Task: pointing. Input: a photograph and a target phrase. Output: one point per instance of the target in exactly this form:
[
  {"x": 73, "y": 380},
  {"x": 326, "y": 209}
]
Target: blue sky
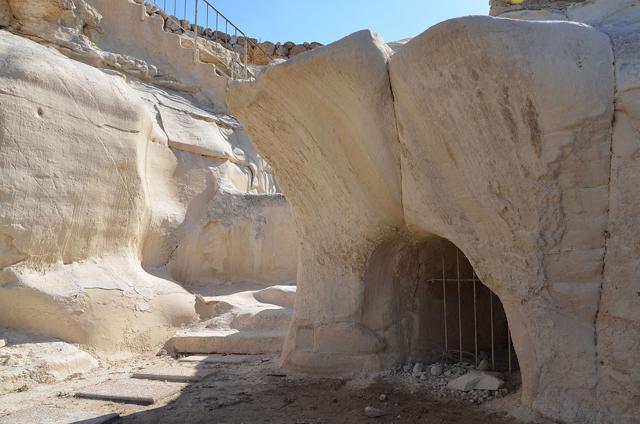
[{"x": 329, "y": 20}]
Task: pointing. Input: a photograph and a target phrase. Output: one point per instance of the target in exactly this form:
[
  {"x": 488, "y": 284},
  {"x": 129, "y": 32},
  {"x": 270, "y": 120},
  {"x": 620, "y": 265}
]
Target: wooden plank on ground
[
  {"x": 140, "y": 392},
  {"x": 220, "y": 359},
  {"x": 174, "y": 374}
]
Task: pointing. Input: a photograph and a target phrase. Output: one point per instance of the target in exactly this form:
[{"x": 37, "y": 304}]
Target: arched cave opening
[
  {"x": 429, "y": 304},
  {"x": 459, "y": 318}
]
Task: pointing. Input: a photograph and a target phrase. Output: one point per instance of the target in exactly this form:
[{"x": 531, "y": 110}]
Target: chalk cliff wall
[{"x": 109, "y": 171}]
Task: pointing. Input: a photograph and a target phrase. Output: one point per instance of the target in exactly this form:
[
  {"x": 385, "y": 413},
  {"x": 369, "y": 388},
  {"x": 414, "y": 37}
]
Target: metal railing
[
  {"x": 203, "y": 12},
  {"x": 448, "y": 346}
]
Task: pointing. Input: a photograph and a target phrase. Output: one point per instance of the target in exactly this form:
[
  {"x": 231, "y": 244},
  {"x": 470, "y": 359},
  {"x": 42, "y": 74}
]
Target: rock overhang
[{"x": 504, "y": 135}]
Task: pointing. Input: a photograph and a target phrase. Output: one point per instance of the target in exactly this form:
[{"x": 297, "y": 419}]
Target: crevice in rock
[
  {"x": 397, "y": 130},
  {"x": 607, "y": 234}
]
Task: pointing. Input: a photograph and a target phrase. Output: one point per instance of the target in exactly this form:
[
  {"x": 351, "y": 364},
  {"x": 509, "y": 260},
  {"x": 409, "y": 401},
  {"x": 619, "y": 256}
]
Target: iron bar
[
  {"x": 437, "y": 280},
  {"x": 243, "y": 59},
  {"x": 223, "y": 17},
  {"x": 475, "y": 318},
  {"x": 459, "y": 303},
  {"x": 196, "y": 54},
  {"x": 493, "y": 358},
  {"x": 444, "y": 302},
  {"x": 509, "y": 345},
  {"x": 246, "y": 58}
]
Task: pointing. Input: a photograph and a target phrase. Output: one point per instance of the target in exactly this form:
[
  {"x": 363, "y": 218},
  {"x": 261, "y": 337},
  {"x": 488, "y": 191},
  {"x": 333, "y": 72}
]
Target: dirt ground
[{"x": 260, "y": 392}]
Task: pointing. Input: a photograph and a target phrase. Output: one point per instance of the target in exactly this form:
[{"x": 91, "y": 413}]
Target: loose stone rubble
[
  {"x": 372, "y": 412},
  {"x": 476, "y": 380},
  {"x": 453, "y": 381}
]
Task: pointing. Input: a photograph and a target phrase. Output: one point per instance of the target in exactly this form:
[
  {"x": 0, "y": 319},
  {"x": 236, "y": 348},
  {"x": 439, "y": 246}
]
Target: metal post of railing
[
  {"x": 459, "y": 303},
  {"x": 509, "y": 345},
  {"x": 444, "y": 304},
  {"x": 195, "y": 37},
  {"x": 475, "y": 319},
  {"x": 246, "y": 58},
  {"x": 493, "y": 350},
  {"x": 242, "y": 56}
]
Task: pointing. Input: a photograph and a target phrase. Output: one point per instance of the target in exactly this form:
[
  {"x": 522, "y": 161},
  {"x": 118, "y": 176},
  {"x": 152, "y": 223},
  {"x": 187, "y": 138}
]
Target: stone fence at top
[
  {"x": 259, "y": 53},
  {"x": 500, "y": 6}
]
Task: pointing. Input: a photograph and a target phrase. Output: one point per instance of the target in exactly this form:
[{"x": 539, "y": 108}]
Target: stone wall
[
  {"x": 259, "y": 53},
  {"x": 501, "y": 6}
]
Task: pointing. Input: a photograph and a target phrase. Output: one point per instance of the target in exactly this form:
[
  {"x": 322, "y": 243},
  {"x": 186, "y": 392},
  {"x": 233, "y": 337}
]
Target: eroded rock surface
[
  {"x": 73, "y": 231},
  {"x": 509, "y": 155},
  {"x": 617, "y": 319},
  {"x": 333, "y": 148},
  {"x": 514, "y": 140},
  {"x": 108, "y": 176},
  {"x": 28, "y": 360},
  {"x": 516, "y": 144}
]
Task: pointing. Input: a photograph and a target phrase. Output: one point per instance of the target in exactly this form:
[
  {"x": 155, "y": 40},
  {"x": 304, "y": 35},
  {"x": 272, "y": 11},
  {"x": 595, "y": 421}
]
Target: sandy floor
[{"x": 260, "y": 392}]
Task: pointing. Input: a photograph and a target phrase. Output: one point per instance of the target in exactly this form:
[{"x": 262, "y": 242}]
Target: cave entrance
[
  {"x": 430, "y": 305},
  {"x": 459, "y": 318}
]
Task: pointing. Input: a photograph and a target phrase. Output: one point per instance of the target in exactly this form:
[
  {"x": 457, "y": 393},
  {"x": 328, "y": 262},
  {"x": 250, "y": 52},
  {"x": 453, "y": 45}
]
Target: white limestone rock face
[
  {"x": 126, "y": 28},
  {"x": 215, "y": 140},
  {"x": 215, "y": 213},
  {"x": 618, "y": 324},
  {"x": 397, "y": 45},
  {"x": 66, "y": 25},
  {"x": 104, "y": 176},
  {"x": 212, "y": 52},
  {"x": 231, "y": 237},
  {"x": 108, "y": 178},
  {"x": 333, "y": 147},
  {"x": 28, "y": 360},
  {"x": 62, "y": 21},
  {"x": 506, "y": 126},
  {"x": 74, "y": 207},
  {"x": 618, "y": 328},
  {"x": 506, "y": 133}
]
